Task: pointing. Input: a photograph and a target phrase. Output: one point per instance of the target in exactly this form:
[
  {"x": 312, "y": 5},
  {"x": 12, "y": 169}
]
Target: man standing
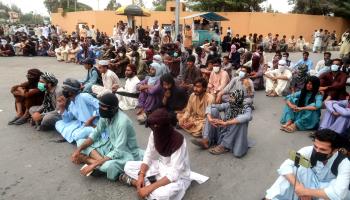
[
  {"x": 109, "y": 79},
  {"x": 328, "y": 177},
  {"x": 78, "y": 110},
  {"x": 317, "y": 41},
  {"x": 192, "y": 118},
  {"x": 108, "y": 154}
]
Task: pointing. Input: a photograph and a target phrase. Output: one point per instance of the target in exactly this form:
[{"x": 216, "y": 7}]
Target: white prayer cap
[
  {"x": 157, "y": 58},
  {"x": 103, "y": 62},
  {"x": 282, "y": 62}
]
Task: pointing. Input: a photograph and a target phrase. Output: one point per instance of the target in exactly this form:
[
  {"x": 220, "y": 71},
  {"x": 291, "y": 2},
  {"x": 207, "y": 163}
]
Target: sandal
[
  {"x": 125, "y": 179},
  {"x": 199, "y": 142},
  {"x": 290, "y": 129},
  {"x": 218, "y": 150}
]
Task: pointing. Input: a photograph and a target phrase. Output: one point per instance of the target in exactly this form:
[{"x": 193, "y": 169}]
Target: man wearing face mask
[
  {"x": 327, "y": 178},
  {"x": 218, "y": 78},
  {"x": 79, "y": 112},
  {"x": 45, "y": 116},
  {"x": 241, "y": 82},
  {"x": 108, "y": 154},
  {"x": 323, "y": 65},
  {"x": 333, "y": 83},
  {"x": 165, "y": 171},
  {"x": 26, "y": 95},
  {"x": 277, "y": 80}
]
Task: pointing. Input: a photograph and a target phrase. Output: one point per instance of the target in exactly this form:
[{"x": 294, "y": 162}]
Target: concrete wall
[{"x": 240, "y": 22}]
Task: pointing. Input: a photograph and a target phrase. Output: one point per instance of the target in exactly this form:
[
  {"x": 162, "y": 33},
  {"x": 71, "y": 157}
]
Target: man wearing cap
[
  {"x": 109, "y": 79},
  {"x": 79, "y": 112},
  {"x": 45, "y": 116},
  {"x": 62, "y": 51},
  {"x": 277, "y": 80},
  {"x": 92, "y": 77},
  {"x": 108, "y": 154},
  {"x": 158, "y": 59}
]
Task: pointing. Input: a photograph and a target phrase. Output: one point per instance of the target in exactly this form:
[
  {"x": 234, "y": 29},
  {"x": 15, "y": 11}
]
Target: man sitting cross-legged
[
  {"x": 165, "y": 171},
  {"x": 109, "y": 153},
  {"x": 192, "y": 118}
]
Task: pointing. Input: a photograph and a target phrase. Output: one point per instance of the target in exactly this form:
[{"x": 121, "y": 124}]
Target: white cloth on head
[
  {"x": 109, "y": 79},
  {"x": 280, "y": 85},
  {"x": 103, "y": 62}
]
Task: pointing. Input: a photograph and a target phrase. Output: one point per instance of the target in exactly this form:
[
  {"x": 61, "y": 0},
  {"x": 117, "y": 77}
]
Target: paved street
[{"x": 33, "y": 166}]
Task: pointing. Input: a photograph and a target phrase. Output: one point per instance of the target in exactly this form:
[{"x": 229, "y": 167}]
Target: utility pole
[
  {"x": 75, "y": 5},
  {"x": 177, "y": 17}
]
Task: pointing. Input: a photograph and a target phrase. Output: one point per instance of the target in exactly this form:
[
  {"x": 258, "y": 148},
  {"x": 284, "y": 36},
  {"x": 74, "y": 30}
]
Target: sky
[{"x": 38, "y": 7}]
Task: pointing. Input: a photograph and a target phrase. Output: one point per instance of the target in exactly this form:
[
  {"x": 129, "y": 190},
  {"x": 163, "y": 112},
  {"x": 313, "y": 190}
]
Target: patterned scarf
[
  {"x": 236, "y": 104},
  {"x": 49, "y": 102},
  {"x": 302, "y": 74}
]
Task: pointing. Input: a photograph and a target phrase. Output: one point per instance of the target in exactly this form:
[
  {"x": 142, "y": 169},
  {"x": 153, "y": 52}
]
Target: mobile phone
[
  {"x": 295, "y": 156},
  {"x": 152, "y": 179}
]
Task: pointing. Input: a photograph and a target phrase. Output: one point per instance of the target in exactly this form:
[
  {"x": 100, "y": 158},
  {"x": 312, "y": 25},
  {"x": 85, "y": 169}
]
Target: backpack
[
  {"x": 99, "y": 78},
  {"x": 335, "y": 165}
]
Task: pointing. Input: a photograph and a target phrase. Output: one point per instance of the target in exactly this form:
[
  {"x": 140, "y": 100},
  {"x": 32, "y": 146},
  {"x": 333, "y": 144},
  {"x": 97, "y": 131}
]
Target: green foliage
[
  {"x": 67, "y": 5},
  {"x": 112, "y": 5},
  {"x": 30, "y": 18},
  {"x": 225, "y": 5},
  {"x": 159, "y": 5},
  {"x": 340, "y": 8}
]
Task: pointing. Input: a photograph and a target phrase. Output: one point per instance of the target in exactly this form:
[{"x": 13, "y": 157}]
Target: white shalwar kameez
[
  {"x": 175, "y": 167},
  {"x": 318, "y": 177},
  {"x": 109, "y": 79},
  {"x": 280, "y": 85},
  {"x": 128, "y": 103}
]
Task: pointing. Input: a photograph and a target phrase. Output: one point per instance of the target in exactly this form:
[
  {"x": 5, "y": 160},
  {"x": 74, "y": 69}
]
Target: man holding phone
[{"x": 327, "y": 178}]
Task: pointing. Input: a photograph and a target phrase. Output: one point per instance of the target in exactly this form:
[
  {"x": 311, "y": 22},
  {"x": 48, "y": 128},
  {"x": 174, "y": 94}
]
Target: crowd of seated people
[{"x": 206, "y": 94}]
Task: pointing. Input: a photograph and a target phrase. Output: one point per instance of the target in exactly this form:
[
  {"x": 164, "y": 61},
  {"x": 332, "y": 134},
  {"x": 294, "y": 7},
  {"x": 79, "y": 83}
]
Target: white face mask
[
  {"x": 334, "y": 68},
  {"x": 284, "y": 58},
  {"x": 211, "y": 52},
  {"x": 241, "y": 74},
  {"x": 216, "y": 69},
  {"x": 281, "y": 68},
  {"x": 120, "y": 54}
]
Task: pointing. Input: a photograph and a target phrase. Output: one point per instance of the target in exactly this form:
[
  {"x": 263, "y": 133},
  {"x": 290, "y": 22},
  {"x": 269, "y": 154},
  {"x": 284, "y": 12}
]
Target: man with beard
[
  {"x": 108, "y": 154},
  {"x": 327, "y": 178},
  {"x": 192, "y": 118},
  {"x": 79, "y": 112},
  {"x": 125, "y": 102},
  {"x": 165, "y": 171},
  {"x": 323, "y": 65},
  {"x": 173, "y": 98},
  {"x": 26, "y": 95}
]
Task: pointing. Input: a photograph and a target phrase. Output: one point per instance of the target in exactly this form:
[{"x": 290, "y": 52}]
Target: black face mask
[
  {"x": 109, "y": 114},
  {"x": 65, "y": 93},
  {"x": 320, "y": 156}
]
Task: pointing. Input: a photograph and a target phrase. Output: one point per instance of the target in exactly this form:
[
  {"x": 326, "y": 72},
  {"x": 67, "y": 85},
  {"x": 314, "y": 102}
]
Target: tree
[
  {"x": 67, "y": 5},
  {"x": 113, "y": 5},
  {"x": 31, "y": 18},
  {"x": 159, "y": 5},
  {"x": 339, "y": 8},
  {"x": 225, "y": 5}
]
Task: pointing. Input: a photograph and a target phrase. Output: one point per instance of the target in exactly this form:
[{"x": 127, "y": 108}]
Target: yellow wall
[{"x": 240, "y": 22}]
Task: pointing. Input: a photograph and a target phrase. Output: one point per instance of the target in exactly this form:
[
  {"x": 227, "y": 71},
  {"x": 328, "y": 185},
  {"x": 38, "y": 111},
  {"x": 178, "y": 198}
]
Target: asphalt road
[{"x": 33, "y": 166}]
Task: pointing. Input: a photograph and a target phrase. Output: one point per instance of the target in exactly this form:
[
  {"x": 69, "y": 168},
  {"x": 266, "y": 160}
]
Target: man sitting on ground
[
  {"x": 92, "y": 77},
  {"x": 109, "y": 79},
  {"x": 190, "y": 74},
  {"x": 218, "y": 78},
  {"x": 328, "y": 177},
  {"x": 192, "y": 118},
  {"x": 165, "y": 171},
  {"x": 45, "y": 116},
  {"x": 277, "y": 81},
  {"x": 333, "y": 83},
  {"x": 108, "y": 154},
  {"x": 125, "y": 102},
  {"x": 79, "y": 112}
]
